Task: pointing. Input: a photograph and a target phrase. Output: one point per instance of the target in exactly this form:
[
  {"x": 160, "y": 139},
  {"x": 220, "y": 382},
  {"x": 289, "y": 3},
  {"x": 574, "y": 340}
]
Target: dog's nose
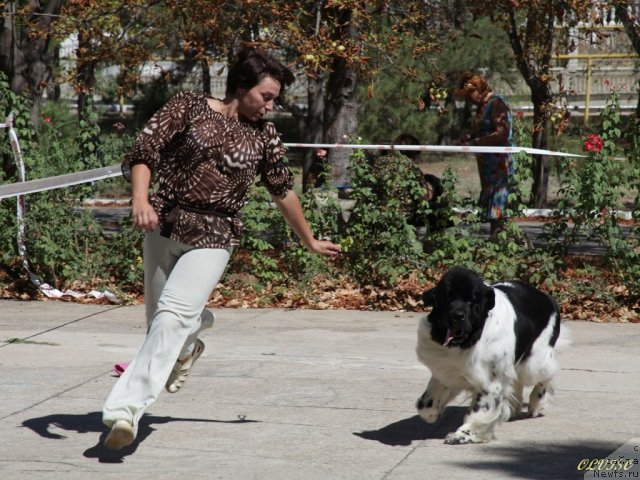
[{"x": 458, "y": 316}]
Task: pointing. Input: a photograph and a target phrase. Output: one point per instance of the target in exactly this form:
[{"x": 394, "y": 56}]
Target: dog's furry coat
[{"x": 489, "y": 340}]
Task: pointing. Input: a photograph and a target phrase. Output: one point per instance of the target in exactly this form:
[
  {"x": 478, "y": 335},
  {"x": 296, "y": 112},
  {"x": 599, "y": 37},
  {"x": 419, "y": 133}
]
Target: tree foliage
[
  {"x": 337, "y": 46},
  {"x": 345, "y": 40},
  {"x": 26, "y": 46}
]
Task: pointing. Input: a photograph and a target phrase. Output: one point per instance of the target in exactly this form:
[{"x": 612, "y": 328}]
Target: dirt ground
[{"x": 466, "y": 170}]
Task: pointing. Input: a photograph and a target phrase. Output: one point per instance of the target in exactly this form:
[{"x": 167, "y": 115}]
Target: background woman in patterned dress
[
  {"x": 203, "y": 154},
  {"x": 493, "y": 127}
]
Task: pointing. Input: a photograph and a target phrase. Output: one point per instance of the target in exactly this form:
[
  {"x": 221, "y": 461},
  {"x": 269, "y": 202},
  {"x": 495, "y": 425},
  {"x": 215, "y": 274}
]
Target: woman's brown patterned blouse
[{"x": 204, "y": 164}]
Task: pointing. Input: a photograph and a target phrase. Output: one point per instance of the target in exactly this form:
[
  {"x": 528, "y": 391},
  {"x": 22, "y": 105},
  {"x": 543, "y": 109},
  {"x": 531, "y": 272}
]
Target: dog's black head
[{"x": 461, "y": 302}]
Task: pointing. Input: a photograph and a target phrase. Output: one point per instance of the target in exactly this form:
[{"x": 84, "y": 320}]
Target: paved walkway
[{"x": 291, "y": 394}]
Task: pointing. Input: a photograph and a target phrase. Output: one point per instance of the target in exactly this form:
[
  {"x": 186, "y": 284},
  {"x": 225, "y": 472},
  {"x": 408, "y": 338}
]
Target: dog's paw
[
  {"x": 538, "y": 400},
  {"x": 426, "y": 410},
  {"x": 462, "y": 437},
  {"x": 429, "y": 415},
  {"x": 535, "y": 412}
]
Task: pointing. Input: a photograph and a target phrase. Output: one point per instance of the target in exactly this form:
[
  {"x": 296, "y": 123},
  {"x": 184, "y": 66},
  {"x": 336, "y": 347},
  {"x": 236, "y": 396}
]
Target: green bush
[
  {"x": 263, "y": 238},
  {"x": 64, "y": 243}
]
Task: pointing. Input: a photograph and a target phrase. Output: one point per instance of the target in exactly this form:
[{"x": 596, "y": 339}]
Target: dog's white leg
[
  {"x": 434, "y": 400},
  {"x": 489, "y": 407},
  {"x": 539, "y": 398}
]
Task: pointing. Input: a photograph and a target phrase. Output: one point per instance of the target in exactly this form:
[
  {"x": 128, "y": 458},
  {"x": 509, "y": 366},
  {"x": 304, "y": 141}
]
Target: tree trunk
[
  {"x": 85, "y": 76},
  {"x": 533, "y": 59},
  {"x": 24, "y": 57},
  {"x": 540, "y": 96},
  {"x": 630, "y": 25},
  {"x": 85, "y": 83},
  {"x": 206, "y": 76},
  {"x": 313, "y": 123},
  {"x": 341, "y": 112},
  {"x": 341, "y": 119},
  {"x": 540, "y": 187}
]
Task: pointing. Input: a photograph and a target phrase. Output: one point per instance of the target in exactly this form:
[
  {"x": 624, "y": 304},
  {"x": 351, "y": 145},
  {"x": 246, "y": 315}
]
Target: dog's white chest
[{"x": 471, "y": 367}]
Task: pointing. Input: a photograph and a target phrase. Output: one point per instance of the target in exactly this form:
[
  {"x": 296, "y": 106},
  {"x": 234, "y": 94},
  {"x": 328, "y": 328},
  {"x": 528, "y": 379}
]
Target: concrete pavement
[{"x": 291, "y": 394}]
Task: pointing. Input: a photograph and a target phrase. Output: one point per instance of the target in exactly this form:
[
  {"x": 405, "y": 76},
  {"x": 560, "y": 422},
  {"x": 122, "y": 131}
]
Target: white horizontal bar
[
  {"x": 60, "y": 181},
  {"x": 70, "y": 179},
  {"x": 436, "y": 148}
]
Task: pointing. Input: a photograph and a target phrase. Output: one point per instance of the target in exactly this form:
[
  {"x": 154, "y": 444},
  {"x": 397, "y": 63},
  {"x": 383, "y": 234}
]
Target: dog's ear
[
  {"x": 429, "y": 297},
  {"x": 490, "y": 298}
]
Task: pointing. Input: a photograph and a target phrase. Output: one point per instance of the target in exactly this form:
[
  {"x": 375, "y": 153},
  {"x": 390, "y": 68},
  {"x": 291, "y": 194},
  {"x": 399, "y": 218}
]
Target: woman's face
[
  {"x": 259, "y": 100},
  {"x": 475, "y": 97}
]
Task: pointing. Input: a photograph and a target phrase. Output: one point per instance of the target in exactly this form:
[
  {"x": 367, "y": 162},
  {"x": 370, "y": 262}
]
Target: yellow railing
[{"x": 589, "y": 57}]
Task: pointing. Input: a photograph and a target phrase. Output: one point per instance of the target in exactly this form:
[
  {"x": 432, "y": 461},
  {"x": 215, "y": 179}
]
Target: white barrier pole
[
  {"x": 70, "y": 179},
  {"x": 20, "y": 206}
]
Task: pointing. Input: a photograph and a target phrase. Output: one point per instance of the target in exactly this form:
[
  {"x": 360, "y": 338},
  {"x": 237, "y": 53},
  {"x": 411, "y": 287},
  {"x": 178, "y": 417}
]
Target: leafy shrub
[
  {"x": 324, "y": 216},
  {"x": 64, "y": 242},
  {"x": 264, "y": 234},
  {"x": 385, "y": 245},
  {"x": 592, "y": 195}
]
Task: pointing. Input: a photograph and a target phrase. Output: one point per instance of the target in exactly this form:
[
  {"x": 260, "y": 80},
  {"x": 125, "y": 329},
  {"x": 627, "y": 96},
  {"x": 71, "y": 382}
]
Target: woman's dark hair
[{"x": 251, "y": 66}]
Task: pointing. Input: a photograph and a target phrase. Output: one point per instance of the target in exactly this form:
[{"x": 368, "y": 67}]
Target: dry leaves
[{"x": 589, "y": 294}]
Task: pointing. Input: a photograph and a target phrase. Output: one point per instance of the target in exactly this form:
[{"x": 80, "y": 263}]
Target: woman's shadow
[{"x": 92, "y": 422}]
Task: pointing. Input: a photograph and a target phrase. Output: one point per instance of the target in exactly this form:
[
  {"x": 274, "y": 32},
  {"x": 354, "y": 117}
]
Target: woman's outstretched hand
[{"x": 324, "y": 247}]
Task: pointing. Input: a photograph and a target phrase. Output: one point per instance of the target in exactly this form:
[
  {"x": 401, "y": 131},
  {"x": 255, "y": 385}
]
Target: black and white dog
[{"x": 491, "y": 341}]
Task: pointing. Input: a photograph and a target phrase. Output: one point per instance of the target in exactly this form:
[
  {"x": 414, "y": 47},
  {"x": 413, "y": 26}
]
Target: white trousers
[{"x": 178, "y": 280}]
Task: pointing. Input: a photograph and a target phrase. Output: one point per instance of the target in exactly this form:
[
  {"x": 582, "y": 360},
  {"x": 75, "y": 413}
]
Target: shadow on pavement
[
  {"x": 412, "y": 429},
  {"x": 524, "y": 460},
  {"x": 542, "y": 461},
  {"x": 92, "y": 422}
]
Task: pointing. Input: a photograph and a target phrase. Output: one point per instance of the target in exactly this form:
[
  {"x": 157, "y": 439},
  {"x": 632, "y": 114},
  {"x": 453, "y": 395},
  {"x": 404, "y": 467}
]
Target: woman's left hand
[
  {"x": 326, "y": 248},
  {"x": 290, "y": 207}
]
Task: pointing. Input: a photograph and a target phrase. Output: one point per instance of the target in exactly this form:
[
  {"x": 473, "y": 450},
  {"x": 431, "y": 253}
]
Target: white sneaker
[
  {"x": 181, "y": 370},
  {"x": 122, "y": 434}
]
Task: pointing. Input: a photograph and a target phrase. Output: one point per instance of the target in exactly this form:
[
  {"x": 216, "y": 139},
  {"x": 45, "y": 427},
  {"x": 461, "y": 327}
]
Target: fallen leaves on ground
[{"x": 584, "y": 291}]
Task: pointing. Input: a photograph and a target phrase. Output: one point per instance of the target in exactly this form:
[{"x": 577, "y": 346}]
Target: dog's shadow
[
  {"x": 92, "y": 422},
  {"x": 411, "y": 429}
]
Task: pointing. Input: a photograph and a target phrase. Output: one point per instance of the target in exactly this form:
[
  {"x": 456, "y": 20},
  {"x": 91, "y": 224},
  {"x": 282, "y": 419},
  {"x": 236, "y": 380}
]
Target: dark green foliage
[
  {"x": 385, "y": 245},
  {"x": 264, "y": 233},
  {"x": 388, "y": 101},
  {"x": 64, "y": 243}
]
